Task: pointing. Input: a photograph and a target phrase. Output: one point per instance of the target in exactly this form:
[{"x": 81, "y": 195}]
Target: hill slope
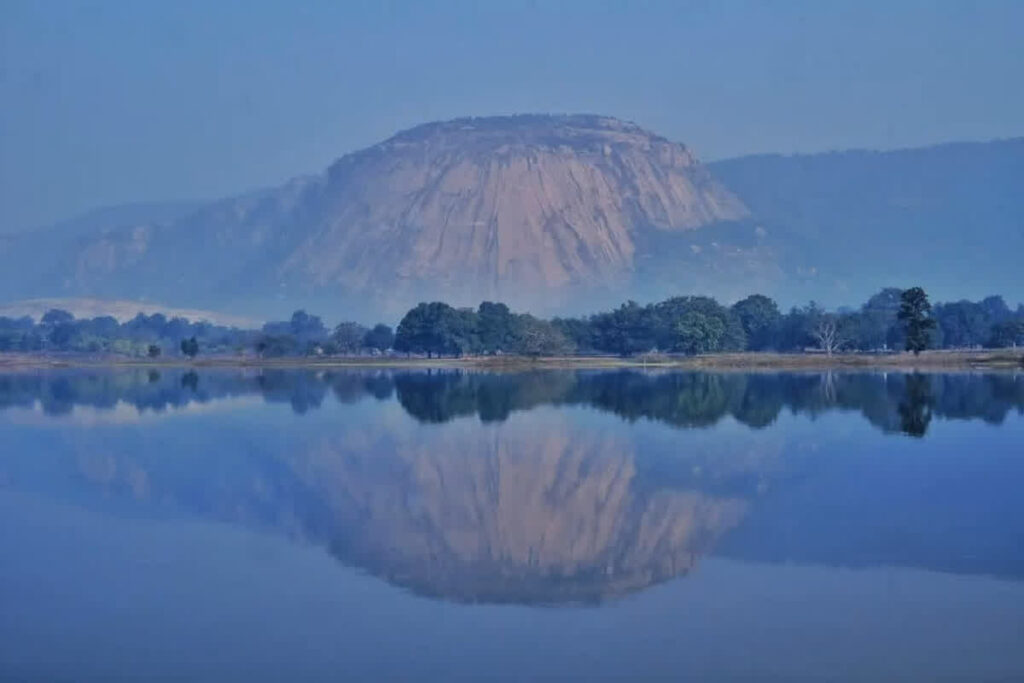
[
  {"x": 950, "y": 217},
  {"x": 553, "y": 214},
  {"x": 540, "y": 211}
]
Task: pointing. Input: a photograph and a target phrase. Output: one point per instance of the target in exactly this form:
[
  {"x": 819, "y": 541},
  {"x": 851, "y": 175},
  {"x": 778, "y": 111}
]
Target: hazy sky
[{"x": 108, "y": 102}]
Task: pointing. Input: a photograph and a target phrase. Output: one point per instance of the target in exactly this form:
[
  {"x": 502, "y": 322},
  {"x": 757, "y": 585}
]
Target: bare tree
[
  {"x": 541, "y": 338},
  {"x": 827, "y": 333}
]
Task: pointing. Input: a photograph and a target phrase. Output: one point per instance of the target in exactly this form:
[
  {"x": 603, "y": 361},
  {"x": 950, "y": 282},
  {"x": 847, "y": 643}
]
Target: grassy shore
[{"x": 928, "y": 360}]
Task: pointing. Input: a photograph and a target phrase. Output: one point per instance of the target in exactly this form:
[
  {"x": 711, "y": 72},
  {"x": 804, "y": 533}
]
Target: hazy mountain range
[{"x": 552, "y": 214}]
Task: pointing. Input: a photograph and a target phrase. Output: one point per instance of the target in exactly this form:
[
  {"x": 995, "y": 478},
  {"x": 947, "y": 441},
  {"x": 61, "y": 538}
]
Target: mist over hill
[
  {"x": 552, "y": 214},
  {"x": 949, "y": 217}
]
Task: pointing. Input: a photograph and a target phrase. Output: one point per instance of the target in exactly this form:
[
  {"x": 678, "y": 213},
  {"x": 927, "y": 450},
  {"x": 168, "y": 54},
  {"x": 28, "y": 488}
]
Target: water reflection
[
  {"x": 543, "y": 506},
  {"x": 915, "y": 408},
  {"x": 893, "y": 402},
  {"x": 544, "y": 516}
]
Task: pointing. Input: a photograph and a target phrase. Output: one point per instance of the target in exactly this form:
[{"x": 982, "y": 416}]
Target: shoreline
[{"x": 999, "y": 359}]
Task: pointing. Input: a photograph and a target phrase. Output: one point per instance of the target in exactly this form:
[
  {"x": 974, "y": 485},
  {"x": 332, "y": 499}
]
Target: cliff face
[
  {"x": 551, "y": 214},
  {"x": 539, "y": 211},
  {"x": 504, "y": 205}
]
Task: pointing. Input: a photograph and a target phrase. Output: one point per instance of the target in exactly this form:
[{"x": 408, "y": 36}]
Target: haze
[{"x": 103, "y": 103}]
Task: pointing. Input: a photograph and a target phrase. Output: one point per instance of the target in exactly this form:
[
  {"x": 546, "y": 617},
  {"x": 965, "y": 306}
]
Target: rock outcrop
[
  {"x": 543, "y": 212},
  {"x": 502, "y": 206}
]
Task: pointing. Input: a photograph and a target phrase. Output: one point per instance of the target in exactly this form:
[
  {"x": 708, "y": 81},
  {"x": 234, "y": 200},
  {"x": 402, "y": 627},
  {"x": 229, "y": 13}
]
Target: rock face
[
  {"x": 552, "y": 214},
  {"x": 504, "y": 205},
  {"x": 539, "y": 211}
]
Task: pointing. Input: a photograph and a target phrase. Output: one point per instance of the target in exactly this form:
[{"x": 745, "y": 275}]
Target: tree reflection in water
[
  {"x": 893, "y": 402},
  {"x": 507, "y": 507}
]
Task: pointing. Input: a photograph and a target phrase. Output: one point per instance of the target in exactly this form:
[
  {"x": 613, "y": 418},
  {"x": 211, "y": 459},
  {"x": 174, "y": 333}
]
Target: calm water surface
[{"x": 282, "y": 525}]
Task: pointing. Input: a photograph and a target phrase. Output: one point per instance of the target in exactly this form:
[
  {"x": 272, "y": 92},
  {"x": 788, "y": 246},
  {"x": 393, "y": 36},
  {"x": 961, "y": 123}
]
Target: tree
[
  {"x": 759, "y": 316},
  {"x": 275, "y": 346},
  {"x": 629, "y": 329},
  {"x": 437, "y": 328},
  {"x": 728, "y": 331},
  {"x": 962, "y": 324},
  {"x": 1007, "y": 334},
  {"x": 307, "y": 327},
  {"x": 878, "y": 325},
  {"x": 827, "y": 333},
  {"x": 495, "y": 325},
  {"x": 579, "y": 331},
  {"x": 56, "y": 316},
  {"x": 348, "y": 337},
  {"x": 539, "y": 338},
  {"x": 995, "y": 309},
  {"x": 381, "y": 338},
  {"x": 699, "y": 333},
  {"x": 153, "y": 351},
  {"x": 190, "y": 347},
  {"x": 915, "y": 314},
  {"x": 61, "y": 334}
]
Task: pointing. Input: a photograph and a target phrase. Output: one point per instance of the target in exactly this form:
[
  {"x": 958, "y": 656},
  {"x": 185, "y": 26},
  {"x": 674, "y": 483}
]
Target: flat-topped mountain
[
  {"x": 503, "y": 205},
  {"x": 551, "y": 214},
  {"x": 535, "y": 210}
]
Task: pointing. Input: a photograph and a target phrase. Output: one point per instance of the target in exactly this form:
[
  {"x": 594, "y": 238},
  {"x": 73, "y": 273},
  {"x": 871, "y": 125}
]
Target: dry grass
[{"x": 929, "y": 360}]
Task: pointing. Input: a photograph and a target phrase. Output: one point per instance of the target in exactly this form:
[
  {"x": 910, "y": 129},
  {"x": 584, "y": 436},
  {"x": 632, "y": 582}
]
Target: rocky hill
[
  {"x": 540, "y": 211},
  {"x": 552, "y": 214}
]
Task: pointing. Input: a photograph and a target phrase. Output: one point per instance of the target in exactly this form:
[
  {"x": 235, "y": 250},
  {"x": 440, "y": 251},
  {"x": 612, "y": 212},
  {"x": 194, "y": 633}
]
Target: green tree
[
  {"x": 276, "y": 345},
  {"x": 153, "y": 351},
  {"x": 495, "y": 327},
  {"x": 437, "y": 328},
  {"x": 62, "y": 334},
  {"x": 348, "y": 337},
  {"x": 669, "y": 313},
  {"x": 1006, "y": 334},
  {"x": 915, "y": 314},
  {"x": 381, "y": 338},
  {"x": 759, "y": 316},
  {"x": 579, "y": 331},
  {"x": 535, "y": 338},
  {"x": 878, "y": 323},
  {"x": 56, "y": 316},
  {"x": 190, "y": 347},
  {"x": 307, "y": 327},
  {"x": 698, "y": 332},
  {"x": 629, "y": 329}
]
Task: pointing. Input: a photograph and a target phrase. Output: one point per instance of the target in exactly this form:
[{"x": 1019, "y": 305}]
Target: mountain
[
  {"x": 553, "y": 214},
  {"x": 949, "y": 217},
  {"x": 541, "y": 211}
]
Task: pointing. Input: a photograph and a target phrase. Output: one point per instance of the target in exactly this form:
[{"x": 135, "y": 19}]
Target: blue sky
[{"x": 108, "y": 102}]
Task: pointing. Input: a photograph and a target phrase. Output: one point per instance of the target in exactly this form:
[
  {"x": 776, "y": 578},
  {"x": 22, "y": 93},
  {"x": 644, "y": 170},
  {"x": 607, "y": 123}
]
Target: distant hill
[
  {"x": 552, "y": 214},
  {"x": 546, "y": 212},
  {"x": 950, "y": 217},
  {"x": 121, "y": 310}
]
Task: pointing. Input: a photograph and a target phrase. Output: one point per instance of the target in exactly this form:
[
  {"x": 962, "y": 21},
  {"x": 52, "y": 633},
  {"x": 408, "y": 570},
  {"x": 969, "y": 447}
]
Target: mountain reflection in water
[{"x": 530, "y": 507}]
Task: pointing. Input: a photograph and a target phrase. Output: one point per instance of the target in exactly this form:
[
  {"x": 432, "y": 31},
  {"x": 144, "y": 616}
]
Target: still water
[{"x": 372, "y": 525}]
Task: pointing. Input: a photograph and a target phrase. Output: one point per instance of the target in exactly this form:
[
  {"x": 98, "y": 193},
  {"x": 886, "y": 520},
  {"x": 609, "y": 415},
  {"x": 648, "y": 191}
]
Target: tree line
[
  {"x": 891, "y": 320},
  {"x": 156, "y": 335}
]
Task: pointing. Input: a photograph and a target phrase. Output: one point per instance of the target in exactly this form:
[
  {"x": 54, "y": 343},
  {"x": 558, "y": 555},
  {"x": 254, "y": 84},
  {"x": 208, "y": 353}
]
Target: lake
[{"x": 550, "y": 525}]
